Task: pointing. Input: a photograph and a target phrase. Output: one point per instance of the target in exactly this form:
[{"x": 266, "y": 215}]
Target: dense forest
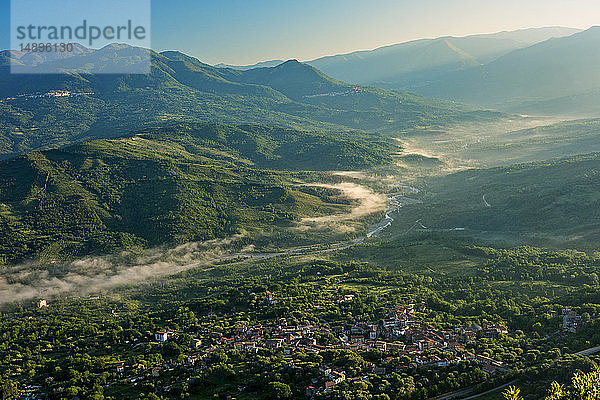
[
  {"x": 205, "y": 232},
  {"x": 276, "y": 329},
  {"x": 170, "y": 185}
]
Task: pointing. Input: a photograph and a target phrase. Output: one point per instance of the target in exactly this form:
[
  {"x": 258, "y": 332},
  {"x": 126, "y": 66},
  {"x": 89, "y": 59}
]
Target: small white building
[{"x": 161, "y": 336}]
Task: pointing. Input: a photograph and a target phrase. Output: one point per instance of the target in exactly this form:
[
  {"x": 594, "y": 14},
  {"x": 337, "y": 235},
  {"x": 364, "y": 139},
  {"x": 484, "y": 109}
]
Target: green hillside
[
  {"x": 553, "y": 202},
  {"x": 183, "y": 89},
  {"x": 165, "y": 186},
  {"x": 278, "y": 148}
]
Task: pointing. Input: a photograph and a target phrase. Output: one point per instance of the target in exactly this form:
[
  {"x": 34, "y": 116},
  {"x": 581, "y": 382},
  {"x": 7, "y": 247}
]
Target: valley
[
  {"x": 401, "y": 219},
  {"x": 271, "y": 232},
  {"x": 397, "y": 222}
]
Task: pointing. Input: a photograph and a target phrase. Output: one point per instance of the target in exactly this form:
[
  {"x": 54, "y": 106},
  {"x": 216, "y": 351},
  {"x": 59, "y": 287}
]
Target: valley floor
[{"x": 413, "y": 297}]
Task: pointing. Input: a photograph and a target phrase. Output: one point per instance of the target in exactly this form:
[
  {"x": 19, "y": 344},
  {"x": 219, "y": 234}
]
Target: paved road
[
  {"x": 588, "y": 352},
  {"x": 491, "y": 390},
  {"x": 460, "y": 393},
  {"x": 453, "y": 395}
]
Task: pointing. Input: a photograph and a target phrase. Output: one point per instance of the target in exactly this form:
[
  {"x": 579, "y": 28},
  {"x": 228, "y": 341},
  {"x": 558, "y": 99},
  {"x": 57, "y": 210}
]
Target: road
[
  {"x": 491, "y": 390},
  {"x": 463, "y": 392},
  {"x": 453, "y": 395},
  {"x": 485, "y": 202},
  {"x": 456, "y": 395},
  {"x": 589, "y": 351}
]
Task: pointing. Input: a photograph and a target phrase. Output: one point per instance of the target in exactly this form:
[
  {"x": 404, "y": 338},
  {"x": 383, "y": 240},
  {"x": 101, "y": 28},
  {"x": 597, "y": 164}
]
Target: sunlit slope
[
  {"x": 554, "y": 202},
  {"x": 160, "y": 187},
  {"x": 183, "y": 89}
]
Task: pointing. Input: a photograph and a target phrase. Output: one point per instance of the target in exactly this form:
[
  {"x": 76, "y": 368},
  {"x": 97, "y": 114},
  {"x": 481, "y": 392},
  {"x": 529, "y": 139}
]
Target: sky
[{"x": 247, "y": 31}]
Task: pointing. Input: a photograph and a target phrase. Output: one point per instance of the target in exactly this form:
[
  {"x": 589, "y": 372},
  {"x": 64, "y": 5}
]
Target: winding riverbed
[{"x": 395, "y": 202}]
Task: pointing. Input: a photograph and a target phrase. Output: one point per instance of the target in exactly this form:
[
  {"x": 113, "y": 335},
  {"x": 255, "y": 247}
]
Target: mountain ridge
[
  {"x": 182, "y": 88},
  {"x": 396, "y": 66},
  {"x": 260, "y": 64},
  {"x": 541, "y": 72}
]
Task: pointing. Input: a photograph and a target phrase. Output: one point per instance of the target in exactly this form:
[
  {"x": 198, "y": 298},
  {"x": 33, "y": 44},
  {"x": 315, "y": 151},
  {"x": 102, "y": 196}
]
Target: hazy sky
[{"x": 246, "y": 31}]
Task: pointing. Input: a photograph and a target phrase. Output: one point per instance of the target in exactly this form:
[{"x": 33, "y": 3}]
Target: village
[
  {"x": 403, "y": 338},
  {"x": 400, "y": 333},
  {"x": 50, "y": 94},
  {"x": 571, "y": 320},
  {"x": 353, "y": 91}
]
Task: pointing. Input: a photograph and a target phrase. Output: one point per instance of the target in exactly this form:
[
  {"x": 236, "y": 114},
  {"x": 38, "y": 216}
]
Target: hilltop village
[{"x": 402, "y": 333}]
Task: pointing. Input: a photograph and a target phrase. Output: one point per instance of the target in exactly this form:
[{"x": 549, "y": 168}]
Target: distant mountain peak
[
  {"x": 262, "y": 64},
  {"x": 558, "y": 70},
  {"x": 294, "y": 79},
  {"x": 295, "y": 64},
  {"x": 409, "y": 64},
  {"x": 116, "y": 46}
]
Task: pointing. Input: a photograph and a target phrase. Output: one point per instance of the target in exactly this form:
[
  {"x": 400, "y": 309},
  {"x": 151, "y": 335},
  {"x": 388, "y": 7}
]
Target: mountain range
[
  {"x": 560, "y": 73},
  {"x": 85, "y": 151},
  {"x": 91, "y": 104},
  {"x": 408, "y": 64},
  {"x": 538, "y": 71},
  {"x": 189, "y": 125},
  {"x": 274, "y": 232}
]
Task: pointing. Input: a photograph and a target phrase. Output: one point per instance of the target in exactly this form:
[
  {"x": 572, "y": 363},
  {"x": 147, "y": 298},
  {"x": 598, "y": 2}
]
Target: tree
[
  {"x": 512, "y": 393},
  {"x": 584, "y": 387},
  {"x": 219, "y": 357},
  {"x": 279, "y": 390},
  {"x": 8, "y": 389},
  {"x": 149, "y": 396},
  {"x": 556, "y": 392}
]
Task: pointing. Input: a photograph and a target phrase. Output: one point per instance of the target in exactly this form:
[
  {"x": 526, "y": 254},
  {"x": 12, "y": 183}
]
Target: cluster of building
[
  {"x": 52, "y": 93},
  {"x": 352, "y": 91},
  {"x": 406, "y": 343},
  {"x": 400, "y": 332},
  {"x": 571, "y": 320}
]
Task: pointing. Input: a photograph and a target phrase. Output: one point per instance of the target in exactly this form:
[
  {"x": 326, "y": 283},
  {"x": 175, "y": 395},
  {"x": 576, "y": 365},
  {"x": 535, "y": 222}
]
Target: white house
[{"x": 161, "y": 336}]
